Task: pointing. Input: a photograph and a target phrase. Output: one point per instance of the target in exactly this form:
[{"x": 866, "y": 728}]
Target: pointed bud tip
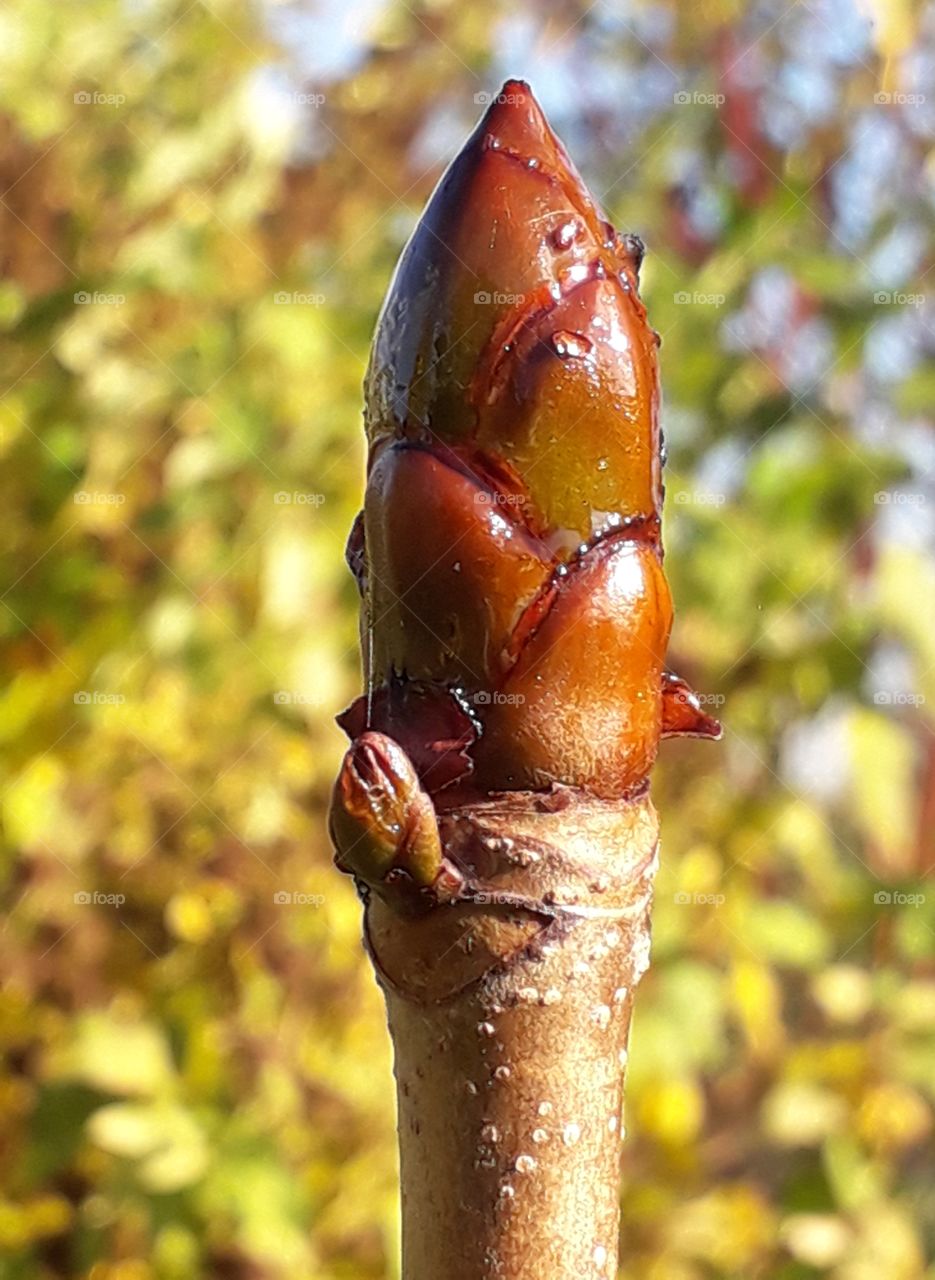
[{"x": 515, "y": 122}]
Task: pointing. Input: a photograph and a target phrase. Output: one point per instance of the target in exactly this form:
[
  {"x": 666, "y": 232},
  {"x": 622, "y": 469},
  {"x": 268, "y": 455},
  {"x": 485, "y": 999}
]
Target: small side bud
[
  {"x": 382, "y": 822},
  {"x": 682, "y": 712}
]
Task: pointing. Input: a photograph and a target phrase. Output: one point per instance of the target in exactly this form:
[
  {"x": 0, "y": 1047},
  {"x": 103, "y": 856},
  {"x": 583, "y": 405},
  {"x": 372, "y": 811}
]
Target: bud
[
  {"x": 381, "y": 819},
  {"x": 510, "y": 540}
]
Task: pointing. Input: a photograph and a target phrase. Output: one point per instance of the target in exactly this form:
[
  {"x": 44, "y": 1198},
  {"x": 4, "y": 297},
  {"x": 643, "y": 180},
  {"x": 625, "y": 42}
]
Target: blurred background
[{"x": 201, "y": 203}]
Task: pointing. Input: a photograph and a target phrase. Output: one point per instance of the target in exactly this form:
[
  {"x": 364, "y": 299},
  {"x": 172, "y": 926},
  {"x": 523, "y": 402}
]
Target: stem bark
[{"x": 510, "y": 1015}]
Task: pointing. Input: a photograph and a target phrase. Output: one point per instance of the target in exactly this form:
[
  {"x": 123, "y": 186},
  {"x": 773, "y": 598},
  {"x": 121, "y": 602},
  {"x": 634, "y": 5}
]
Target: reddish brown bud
[
  {"x": 381, "y": 820},
  {"x": 516, "y": 611}
]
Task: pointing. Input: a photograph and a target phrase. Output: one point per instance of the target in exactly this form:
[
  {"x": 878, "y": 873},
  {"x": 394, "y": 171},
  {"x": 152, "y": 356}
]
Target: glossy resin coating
[
  {"x": 515, "y": 613},
  {"x": 513, "y": 328}
]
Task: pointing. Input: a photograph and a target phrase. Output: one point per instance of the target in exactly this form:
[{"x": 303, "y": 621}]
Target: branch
[{"x": 493, "y": 804}]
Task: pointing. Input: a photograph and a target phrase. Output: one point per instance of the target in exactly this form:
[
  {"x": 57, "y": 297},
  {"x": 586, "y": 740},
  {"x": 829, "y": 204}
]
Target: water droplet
[
  {"x": 570, "y": 1134},
  {"x": 525, "y": 1164},
  {"x": 501, "y": 1073},
  {"x": 490, "y": 1133},
  {"x": 470, "y": 1086},
  {"x": 602, "y": 464},
  {"x": 612, "y": 1124},
  {"x": 485, "y": 1029},
  {"x": 565, "y": 235},
  {"x": 599, "y": 1255},
  {"x": 622, "y": 1057},
  {"x": 540, "y": 1135},
  {"x": 620, "y": 995},
  {"x": 532, "y": 163},
  {"x": 507, "y": 1192},
  {"x": 545, "y": 1108},
  {"x": 570, "y": 345},
  {"x": 456, "y": 567}
]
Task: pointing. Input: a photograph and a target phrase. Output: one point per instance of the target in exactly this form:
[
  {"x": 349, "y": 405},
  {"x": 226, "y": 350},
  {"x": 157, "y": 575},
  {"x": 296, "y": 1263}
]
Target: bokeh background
[{"x": 201, "y": 203}]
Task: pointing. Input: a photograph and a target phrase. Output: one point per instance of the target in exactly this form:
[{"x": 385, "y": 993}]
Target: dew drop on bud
[
  {"x": 563, "y": 237},
  {"x": 570, "y": 345}
]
